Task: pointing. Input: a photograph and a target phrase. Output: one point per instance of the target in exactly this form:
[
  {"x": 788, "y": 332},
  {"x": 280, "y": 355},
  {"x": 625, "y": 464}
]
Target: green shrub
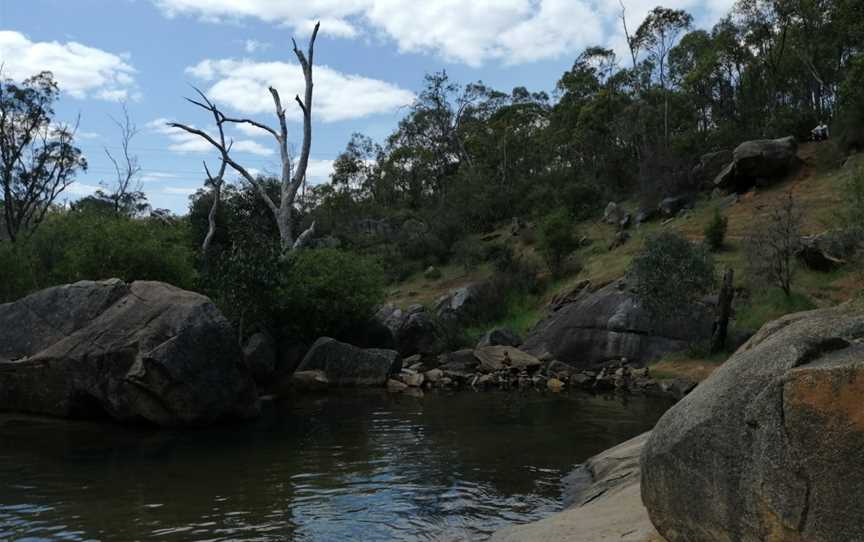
[
  {"x": 670, "y": 273},
  {"x": 328, "y": 292},
  {"x": 16, "y": 275},
  {"x": 556, "y": 240},
  {"x": 715, "y": 231},
  {"x": 73, "y": 246},
  {"x": 83, "y": 246},
  {"x": 468, "y": 253}
]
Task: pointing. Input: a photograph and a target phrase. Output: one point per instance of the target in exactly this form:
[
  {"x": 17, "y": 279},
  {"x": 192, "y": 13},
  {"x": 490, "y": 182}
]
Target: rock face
[
  {"x": 259, "y": 352},
  {"x": 460, "y": 303},
  {"x": 611, "y": 325},
  {"x": 756, "y": 163},
  {"x": 769, "y": 447},
  {"x": 709, "y": 166},
  {"x": 413, "y": 330},
  {"x": 140, "y": 352},
  {"x": 344, "y": 365}
]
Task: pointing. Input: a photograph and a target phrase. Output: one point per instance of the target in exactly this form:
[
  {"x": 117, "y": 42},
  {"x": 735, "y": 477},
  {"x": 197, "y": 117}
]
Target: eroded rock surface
[
  {"x": 140, "y": 352},
  {"x": 769, "y": 448},
  {"x": 610, "y": 324}
]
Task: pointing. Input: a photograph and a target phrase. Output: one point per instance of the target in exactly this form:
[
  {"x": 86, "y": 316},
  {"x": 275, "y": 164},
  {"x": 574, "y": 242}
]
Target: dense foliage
[{"x": 671, "y": 273}]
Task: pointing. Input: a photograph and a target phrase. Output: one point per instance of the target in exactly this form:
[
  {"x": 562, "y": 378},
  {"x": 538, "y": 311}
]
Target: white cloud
[
  {"x": 183, "y": 142},
  {"x": 179, "y": 191},
  {"x": 319, "y": 171},
  {"x": 509, "y": 31},
  {"x": 158, "y": 177},
  {"x": 80, "y": 71},
  {"x": 81, "y": 189},
  {"x": 253, "y": 46},
  {"x": 242, "y": 84}
]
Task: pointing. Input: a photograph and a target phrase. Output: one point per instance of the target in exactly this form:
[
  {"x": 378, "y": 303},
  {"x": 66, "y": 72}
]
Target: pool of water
[{"x": 354, "y": 466}]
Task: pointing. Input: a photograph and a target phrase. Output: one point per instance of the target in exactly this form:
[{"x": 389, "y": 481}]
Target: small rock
[
  {"x": 554, "y": 385},
  {"x": 310, "y": 380},
  {"x": 395, "y": 386},
  {"x": 434, "y": 375},
  {"x": 414, "y": 380}
]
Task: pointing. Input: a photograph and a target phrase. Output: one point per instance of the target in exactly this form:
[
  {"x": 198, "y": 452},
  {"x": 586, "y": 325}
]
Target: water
[{"x": 363, "y": 466}]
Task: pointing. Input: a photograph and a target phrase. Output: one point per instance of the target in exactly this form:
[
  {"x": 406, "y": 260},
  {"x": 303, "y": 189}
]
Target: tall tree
[
  {"x": 658, "y": 34},
  {"x": 38, "y": 159}
]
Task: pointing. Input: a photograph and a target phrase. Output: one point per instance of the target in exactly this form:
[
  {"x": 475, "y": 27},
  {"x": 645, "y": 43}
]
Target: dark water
[{"x": 349, "y": 467}]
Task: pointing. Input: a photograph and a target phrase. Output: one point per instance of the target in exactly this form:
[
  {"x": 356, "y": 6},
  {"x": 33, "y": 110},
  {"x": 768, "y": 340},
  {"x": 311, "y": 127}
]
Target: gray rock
[
  {"x": 259, "y": 353},
  {"x": 757, "y": 163},
  {"x": 413, "y": 330},
  {"x": 500, "y": 337},
  {"x": 768, "y": 447},
  {"x": 710, "y": 165},
  {"x": 672, "y": 206},
  {"x": 614, "y": 214},
  {"x": 461, "y": 361},
  {"x": 610, "y": 324},
  {"x": 645, "y": 214},
  {"x": 496, "y": 358},
  {"x": 459, "y": 304},
  {"x": 310, "y": 381},
  {"x": 345, "y": 365},
  {"x": 140, "y": 352}
]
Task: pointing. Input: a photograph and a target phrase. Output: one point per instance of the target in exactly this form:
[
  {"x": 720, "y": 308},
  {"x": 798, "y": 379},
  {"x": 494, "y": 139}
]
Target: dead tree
[
  {"x": 126, "y": 196},
  {"x": 724, "y": 311},
  {"x": 216, "y": 183},
  {"x": 289, "y": 183}
]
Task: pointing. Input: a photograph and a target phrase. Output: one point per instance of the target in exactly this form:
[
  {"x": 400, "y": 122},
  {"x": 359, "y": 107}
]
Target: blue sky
[{"x": 370, "y": 58}]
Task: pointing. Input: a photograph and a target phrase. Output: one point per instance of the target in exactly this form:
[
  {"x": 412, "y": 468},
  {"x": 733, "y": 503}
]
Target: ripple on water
[{"x": 351, "y": 467}]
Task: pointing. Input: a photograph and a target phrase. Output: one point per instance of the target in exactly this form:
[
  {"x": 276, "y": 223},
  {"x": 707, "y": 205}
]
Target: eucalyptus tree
[{"x": 38, "y": 158}]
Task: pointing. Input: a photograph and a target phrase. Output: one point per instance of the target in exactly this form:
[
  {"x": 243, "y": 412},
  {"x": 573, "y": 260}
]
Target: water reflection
[{"x": 338, "y": 467}]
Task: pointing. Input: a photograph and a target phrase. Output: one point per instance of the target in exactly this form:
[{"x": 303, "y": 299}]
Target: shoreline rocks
[
  {"x": 769, "y": 447},
  {"x": 144, "y": 352},
  {"x": 610, "y": 324}
]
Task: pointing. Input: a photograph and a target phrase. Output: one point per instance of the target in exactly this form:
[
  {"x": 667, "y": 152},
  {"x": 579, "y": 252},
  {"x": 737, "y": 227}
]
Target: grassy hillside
[{"x": 817, "y": 187}]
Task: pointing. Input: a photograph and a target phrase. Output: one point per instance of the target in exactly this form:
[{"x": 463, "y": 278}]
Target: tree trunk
[{"x": 724, "y": 311}]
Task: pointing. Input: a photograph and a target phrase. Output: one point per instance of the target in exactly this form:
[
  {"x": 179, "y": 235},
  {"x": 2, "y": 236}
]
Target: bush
[
  {"x": 326, "y": 292},
  {"x": 468, "y": 253},
  {"x": 556, "y": 240},
  {"x": 671, "y": 273},
  {"x": 715, "y": 231},
  {"x": 73, "y": 246}
]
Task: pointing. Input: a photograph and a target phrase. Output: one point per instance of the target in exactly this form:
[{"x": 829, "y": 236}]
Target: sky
[{"x": 370, "y": 59}]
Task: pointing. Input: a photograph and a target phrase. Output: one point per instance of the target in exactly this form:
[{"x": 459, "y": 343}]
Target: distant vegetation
[{"x": 462, "y": 163}]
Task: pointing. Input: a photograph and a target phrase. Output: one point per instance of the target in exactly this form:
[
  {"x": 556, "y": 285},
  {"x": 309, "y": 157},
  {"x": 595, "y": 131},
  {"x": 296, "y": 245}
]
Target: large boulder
[
  {"x": 344, "y": 365},
  {"x": 259, "y": 352},
  {"x": 140, "y": 352},
  {"x": 757, "y": 163},
  {"x": 610, "y": 324},
  {"x": 710, "y": 165},
  {"x": 460, "y": 304},
  {"x": 769, "y": 447},
  {"x": 413, "y": 330}
]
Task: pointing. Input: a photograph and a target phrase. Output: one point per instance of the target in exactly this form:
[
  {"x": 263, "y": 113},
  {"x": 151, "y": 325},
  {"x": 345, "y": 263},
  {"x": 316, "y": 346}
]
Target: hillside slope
[{"x": 817, "y": 187}]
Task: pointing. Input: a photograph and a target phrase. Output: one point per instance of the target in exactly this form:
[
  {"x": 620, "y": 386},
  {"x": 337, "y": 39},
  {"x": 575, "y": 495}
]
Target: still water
[{"x": 322, "y": 468}]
